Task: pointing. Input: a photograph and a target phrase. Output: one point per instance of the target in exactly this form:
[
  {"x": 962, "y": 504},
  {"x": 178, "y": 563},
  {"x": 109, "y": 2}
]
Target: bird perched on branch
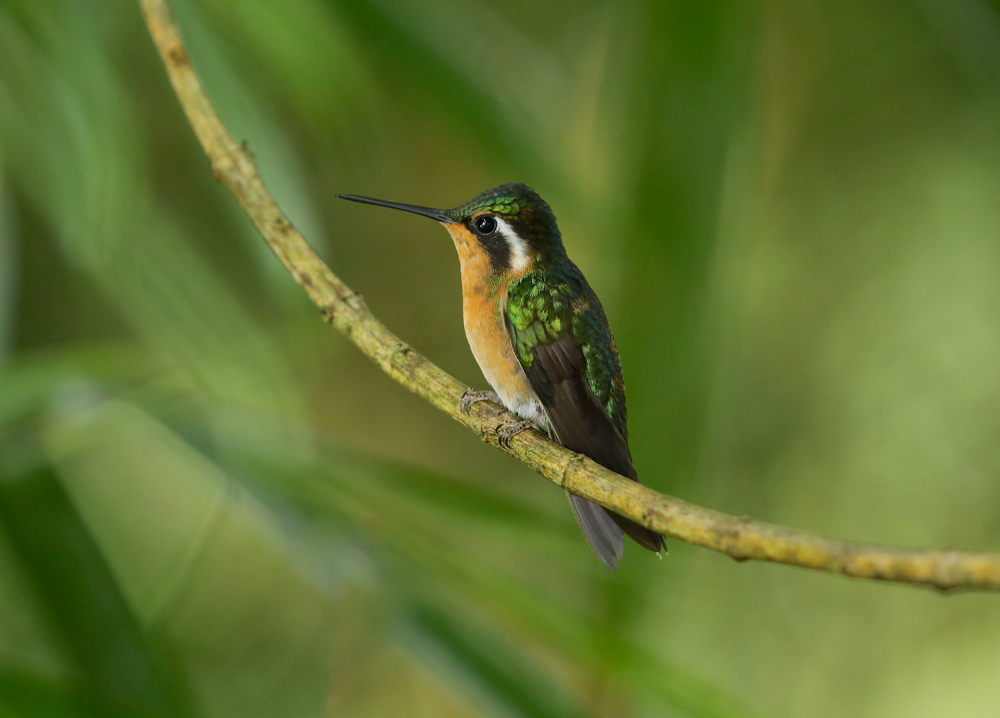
[{"x": 542, "y": 341}]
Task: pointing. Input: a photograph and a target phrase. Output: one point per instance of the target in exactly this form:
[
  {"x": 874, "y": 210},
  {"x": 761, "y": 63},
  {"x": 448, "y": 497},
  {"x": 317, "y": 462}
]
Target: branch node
[
  {"x": 356, "y": 301},
  {"x": 245, "y": 148},
  {"x": 574, "y": 462},
  {"x": 178, "y": 57}
]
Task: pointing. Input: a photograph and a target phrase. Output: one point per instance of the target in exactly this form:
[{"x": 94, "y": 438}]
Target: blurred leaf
[
  {"x": 125, "y": 674},
  {"x": 31, "y": 384},
  {"x": 312, "y": 57},
  {"x": 491, "y": 665},
  {"x": 199, "y": 562},
  {"x": 970, "y": 31},
  {"x": 680, "y": 137},
  {"x": 453, "y": 564},
  {"x": 80, "y": 165},
  {"x": 250, "y": 117},
  {"x": 422, "y": 47},
  {"x": 24, "y": 696},
  {"x": 8, "y": 271}
]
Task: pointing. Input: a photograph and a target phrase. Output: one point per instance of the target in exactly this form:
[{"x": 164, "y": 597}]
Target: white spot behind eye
[{"x": 518, "y": 247}]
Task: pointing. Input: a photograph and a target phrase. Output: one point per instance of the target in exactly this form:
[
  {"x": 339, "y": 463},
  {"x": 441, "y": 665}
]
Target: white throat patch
[{"x": 518, "y": 247}]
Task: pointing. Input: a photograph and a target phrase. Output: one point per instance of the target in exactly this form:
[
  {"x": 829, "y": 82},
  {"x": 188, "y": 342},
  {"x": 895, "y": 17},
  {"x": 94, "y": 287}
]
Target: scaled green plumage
[{"x": 549, "y": 302}]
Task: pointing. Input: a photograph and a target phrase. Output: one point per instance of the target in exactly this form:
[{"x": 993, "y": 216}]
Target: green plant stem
[{"x": 741, "y": 538}]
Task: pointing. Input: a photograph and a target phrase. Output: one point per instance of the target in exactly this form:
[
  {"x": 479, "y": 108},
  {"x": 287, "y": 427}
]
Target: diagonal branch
[{"x": 741, "y": 538}]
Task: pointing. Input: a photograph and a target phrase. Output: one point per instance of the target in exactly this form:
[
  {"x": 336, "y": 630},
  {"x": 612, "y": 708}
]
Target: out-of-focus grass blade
[
  {"x": 71, "y": 131},
  {"x": 457, "y": 543},
  {"x": 201, "y": 562},
  {"x": 252, "y": 118},
  {"x": 491, "y": 665},
  {"x": 677, "y": 139},
  {"x": 417, "y": 49},
  {"x": 8, "y": 269},
  {"x": 312, "y": 57},
  {"x": 27, "y": 696},
  {"x": 451, "y": 551},
  {"x": 30, "y": 383},
  {"x": 661, "y": 682},
  {"x": 380, "y": 478},
  {"x": 970, "y": 31},
  {"x": 125, "y": 673}
]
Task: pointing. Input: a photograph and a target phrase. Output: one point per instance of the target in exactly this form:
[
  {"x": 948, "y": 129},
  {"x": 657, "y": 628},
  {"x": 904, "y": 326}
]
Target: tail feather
[
  {"x": 640, "y": 534},
  {"x": 601, "y": 529}
]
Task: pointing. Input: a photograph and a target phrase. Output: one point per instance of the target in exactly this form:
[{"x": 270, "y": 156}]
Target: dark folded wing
[{"x": 558, "y": 376}]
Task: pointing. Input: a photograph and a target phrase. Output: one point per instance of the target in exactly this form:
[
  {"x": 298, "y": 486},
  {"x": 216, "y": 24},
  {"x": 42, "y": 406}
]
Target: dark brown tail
[
  {"x": 603, "y": 530},
  {"x": 640, "y": 534},
  {"x": 602, "y": 533}
]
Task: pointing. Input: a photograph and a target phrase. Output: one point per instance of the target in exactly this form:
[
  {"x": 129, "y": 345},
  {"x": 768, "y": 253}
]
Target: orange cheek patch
[
  {"x": 466, "y": 244},
  {"x": 474, "y": 261},
  {"x": 460, "y": 234}
]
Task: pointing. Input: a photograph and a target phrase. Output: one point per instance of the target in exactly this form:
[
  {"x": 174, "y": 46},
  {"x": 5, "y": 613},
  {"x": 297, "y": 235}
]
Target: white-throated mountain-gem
[{"x": 541, "y": 338}]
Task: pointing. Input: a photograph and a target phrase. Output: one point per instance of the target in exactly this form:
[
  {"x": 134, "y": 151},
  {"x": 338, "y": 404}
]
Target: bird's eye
[{"x": 485, "y": 224}]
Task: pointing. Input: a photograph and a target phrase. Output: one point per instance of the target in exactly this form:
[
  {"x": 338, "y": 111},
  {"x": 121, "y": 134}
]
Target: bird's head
[{"x": 507, "y": 230}]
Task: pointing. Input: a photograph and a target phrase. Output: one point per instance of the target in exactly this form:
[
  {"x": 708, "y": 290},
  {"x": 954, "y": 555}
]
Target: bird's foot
[
  {"x": 509, "y": 429},
  {"x": 470, "y": 396}
]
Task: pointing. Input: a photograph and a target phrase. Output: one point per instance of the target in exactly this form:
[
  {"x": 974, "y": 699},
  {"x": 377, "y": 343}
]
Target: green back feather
[{"x": 546, "y": 304}]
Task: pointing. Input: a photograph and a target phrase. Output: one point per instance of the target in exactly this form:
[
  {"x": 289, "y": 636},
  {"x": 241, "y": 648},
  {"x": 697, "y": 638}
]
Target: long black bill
[{"x": 439, "y": 214}]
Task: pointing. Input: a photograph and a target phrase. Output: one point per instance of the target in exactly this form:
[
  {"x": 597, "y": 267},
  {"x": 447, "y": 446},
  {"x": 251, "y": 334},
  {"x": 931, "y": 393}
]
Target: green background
[{"x": 212, "y": 505}]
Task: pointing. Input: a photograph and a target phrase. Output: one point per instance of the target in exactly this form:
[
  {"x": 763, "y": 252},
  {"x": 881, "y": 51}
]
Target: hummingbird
[{"x": 540, "y": 336}]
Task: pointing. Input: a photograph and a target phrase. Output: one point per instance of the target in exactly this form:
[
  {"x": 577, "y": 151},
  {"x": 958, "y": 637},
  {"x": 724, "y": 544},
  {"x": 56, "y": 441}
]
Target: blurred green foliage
[{"x": 212, "y": 505}]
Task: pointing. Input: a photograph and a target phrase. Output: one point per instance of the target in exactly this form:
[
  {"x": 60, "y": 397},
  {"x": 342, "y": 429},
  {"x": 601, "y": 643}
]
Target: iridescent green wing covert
[
  {"x": 555, "y": 325},
  {"x": 561, "y": 337}
]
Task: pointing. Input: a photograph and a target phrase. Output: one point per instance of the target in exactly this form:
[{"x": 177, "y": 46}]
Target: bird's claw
[
  {"x": 509, "y": 429},
  {"x": 466, "y": 403},
  {"x": 470, "y": 396},
  {"x": 506, "y": 430}
]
